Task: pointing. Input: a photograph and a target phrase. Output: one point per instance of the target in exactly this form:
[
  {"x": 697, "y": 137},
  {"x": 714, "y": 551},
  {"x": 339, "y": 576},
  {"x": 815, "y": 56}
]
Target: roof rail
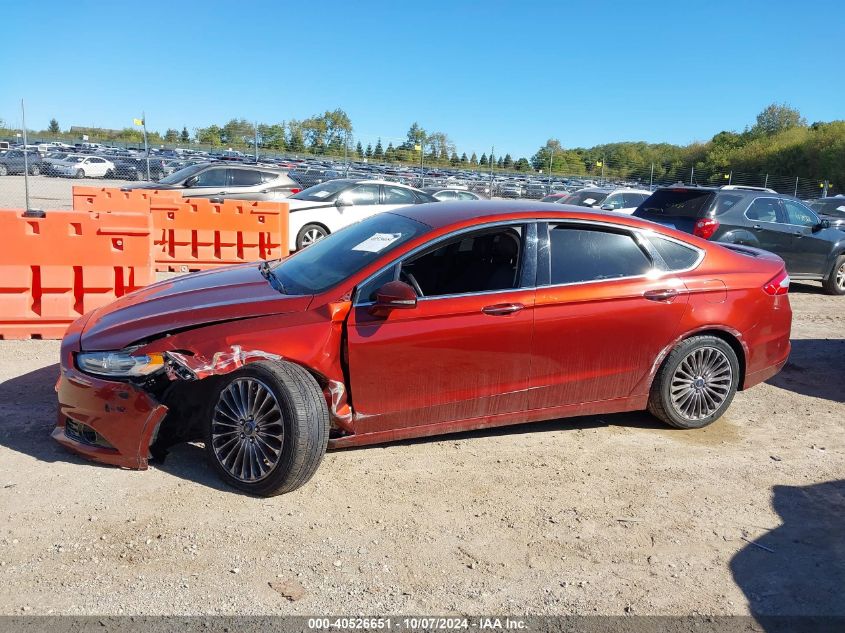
[{"x": 747, "y": 188}]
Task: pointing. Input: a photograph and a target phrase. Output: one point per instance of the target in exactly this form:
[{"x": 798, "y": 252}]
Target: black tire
[
  {"x": 35, "y": 170},
  {"x": 4, "y": 171},
  {"x": 109, "y": 174},
  {"x": 671, "y": 377},
  {"x": 834, "y": 283},
  {"x": 79, "y": 174},
  {"x": 305, "y": 236},
  {"x": 303, "y": 419}
]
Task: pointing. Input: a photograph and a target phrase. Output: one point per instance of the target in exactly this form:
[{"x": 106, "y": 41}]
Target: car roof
[{"x": 443, "y": 214}]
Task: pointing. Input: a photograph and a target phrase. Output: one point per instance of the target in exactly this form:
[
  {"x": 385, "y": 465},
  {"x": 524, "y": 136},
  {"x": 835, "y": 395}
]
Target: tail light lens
[
  {"x": 705, "y": 227},
  {"x": 778, "y": 285},
  {"x": 293, "y": 191}
]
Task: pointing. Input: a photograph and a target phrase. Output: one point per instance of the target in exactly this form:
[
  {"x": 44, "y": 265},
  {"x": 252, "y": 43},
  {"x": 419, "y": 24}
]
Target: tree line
[{"x": 780, "y": 141}]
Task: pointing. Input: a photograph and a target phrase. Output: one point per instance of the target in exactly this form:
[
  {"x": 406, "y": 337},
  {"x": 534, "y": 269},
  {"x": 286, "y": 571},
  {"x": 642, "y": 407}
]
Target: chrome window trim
[
  {"x": 753, "y": 200},
  {"x": 639, "y": 235}
]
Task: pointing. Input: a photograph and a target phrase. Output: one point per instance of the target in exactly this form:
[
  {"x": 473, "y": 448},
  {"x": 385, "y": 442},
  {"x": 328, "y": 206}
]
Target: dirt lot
[
  {"x": 46, "y": 192},
  {"x": 611, "y": 514}
]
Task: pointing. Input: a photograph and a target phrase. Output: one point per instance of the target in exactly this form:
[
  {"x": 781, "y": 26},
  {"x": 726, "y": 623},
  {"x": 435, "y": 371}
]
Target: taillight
[
  {"x": 293, "y": 191},
  {"x": 705, "y": 227},
  {"x": 778, "y": 285}
]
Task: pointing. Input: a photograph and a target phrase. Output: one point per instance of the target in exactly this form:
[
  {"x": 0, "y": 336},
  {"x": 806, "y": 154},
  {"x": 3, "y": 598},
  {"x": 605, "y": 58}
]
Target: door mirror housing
[
  {"x": 394, "y": 295},
  {"x": 190, "y": 182},
  {"x": 607, "y": 207},
  {"x": 823, "y": 224}
]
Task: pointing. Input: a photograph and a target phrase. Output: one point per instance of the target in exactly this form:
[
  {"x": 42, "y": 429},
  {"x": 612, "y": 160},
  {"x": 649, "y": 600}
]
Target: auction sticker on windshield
[{"x": 377, "y": 242}]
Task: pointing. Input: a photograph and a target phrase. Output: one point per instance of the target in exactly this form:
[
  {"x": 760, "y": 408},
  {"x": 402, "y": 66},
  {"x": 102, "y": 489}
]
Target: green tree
[
  {"x": 522, "y": 165},
  {"x": 359, "y": 150},
  {"x": 171, "y": 135},
  {"x": 454, "y": 161},
  {"x": 185, "y": 137},
  {"x": 777, "y": 118},
  {"x": 507, "y": 163},
  {"x": 369, "y": 152},
  {"x": 500, "y": 163},
  {"x": 464, "y": 159},
  {"x": 379, "y": 151},
  {"x": 209, "y": 135},
  {"x": 483, "y": 160},
  {"x": 296, "y": 137},
  {"x": 54, "y": 127},
  {"x": 416, "y": 136},
  {"x": 390, "y": 153},
  {"x": 473, "y": 160}
]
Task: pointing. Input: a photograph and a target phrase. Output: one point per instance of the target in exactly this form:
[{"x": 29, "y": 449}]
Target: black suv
[
  {"x": 12, "y": 162},
  {"x": 832, "y": 209},
  {"x": 755, "y": 217}
]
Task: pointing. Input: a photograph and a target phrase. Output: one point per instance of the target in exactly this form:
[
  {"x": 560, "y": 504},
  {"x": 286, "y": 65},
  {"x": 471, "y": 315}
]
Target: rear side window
[
  {"x": 684, "y": 203},
  {"x": 676, "y": 256},
  {"x": 763, "y": 210},
  {"x": 582, "y": 254},
  {"x": 245, "y": 178},
  {"x": 633, "y": 199},
  {"x": 725, "y": 202}
]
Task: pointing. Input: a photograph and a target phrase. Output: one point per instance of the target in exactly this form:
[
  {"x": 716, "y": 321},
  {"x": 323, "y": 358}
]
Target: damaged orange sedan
[{"x": 425, "y": 320}]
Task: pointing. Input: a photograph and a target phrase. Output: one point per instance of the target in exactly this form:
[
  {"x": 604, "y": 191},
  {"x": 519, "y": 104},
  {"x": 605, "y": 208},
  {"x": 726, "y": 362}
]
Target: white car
[
  {"x": 618, "y": 200},
  {"x": 328, "y": 207},
  {"x": 83, "y": 166}
]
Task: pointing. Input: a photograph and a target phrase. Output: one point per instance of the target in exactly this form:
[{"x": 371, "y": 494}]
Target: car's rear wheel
[
  {"x": 309, "y": 234},
  {"x": 267, "y": 428},
  {"x": 79, "y": 173},
  {"x": 35, "y": 170},
  {"x": 834, "y": 283},
  {"x": 696, "y": 383},
  {"x": 3, "y": 170}
]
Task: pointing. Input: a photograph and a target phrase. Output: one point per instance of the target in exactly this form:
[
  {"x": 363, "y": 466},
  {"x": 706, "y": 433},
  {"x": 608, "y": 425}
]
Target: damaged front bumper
[{"x": 106, "y": 421}]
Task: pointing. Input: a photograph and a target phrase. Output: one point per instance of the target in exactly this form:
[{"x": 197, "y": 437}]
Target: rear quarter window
[{"x": 675, "y": 256}]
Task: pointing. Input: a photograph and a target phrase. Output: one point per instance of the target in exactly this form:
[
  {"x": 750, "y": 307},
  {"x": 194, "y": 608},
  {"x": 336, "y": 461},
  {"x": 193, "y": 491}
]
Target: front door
[
  {"x": 769, "y": 227},
  {"x": 810, "y": 246},
  {"x": 463, "y": 352}
]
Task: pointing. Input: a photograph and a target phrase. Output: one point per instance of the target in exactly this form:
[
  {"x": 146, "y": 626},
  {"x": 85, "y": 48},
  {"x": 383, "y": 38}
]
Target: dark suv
[
  {"x": 12, "y": 162},
  {"x": 832, "y": 209},
  {"x": 755, "y": 217}
]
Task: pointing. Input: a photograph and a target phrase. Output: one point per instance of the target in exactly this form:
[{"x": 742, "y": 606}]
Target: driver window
[
  {"x": 763, "y": 210},
  {"x": 614, "y": 201},
  {"x": 211, "y": 178},
  {"x": 798, "y": 214},
  {"x": 482, "y": 261},
  {"x": 362, "y": 194}
]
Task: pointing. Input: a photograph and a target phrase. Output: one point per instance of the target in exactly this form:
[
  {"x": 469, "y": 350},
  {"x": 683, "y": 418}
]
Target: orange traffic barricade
[
  {"x": 56, "y": 268},
  {"x": 111, "y": 199},
  {"x": 198, "y": 234}
]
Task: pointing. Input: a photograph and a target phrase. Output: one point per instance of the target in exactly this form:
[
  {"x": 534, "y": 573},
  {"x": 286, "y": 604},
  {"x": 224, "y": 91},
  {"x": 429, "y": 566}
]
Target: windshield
[
  {"x": 831, "y": 206},
  {"x": 178, "y": 176},
  {"x": 74, "y": 159},
  {"x": 321, "y": 192},
  {"x": 684, "y": 203},
  {"x": 586, "y": 198},
  {"x": 342, "y": 254}
]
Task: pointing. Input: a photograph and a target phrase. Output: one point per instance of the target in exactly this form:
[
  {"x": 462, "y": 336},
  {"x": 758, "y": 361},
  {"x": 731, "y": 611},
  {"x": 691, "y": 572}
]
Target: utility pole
[
  {"x": 492, "y": 149},
  {"x": 551, "y": 157},
  {"x": 602, "y": 169},
  {"x": 651, "y": 178},
  {"x": 146, "y": 146},
  {"x": 255, "y": 130},
  {"x": 692, "y": 175},
  {"x": 25, "y": 157},
  {"x": 796, "y": 187}
]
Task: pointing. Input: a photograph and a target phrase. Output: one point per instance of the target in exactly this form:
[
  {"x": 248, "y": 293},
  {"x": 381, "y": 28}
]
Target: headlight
[{"x": 119, "y": 364}]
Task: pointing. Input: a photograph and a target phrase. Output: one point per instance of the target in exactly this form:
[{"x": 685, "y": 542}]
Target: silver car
[{"x": 227, "y": 180}]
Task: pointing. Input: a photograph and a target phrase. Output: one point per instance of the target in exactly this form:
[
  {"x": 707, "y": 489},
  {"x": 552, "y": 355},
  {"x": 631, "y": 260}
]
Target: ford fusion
[{"x": 425, "y": 320}]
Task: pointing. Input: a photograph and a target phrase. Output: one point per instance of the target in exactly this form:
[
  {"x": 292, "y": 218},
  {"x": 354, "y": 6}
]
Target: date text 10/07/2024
[{"x": 411, "y": 623}]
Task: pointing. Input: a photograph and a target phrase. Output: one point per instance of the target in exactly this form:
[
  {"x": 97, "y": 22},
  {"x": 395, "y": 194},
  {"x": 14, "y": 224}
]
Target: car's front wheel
[
  {"x": 4, "y": 170},
  {"x": 79, "y": 173},
  {"x": 309, "y": 234},
  {"x": 267, "y": 428},
  {"x": 35, "y": 170},
  {"x": 696, "y": 383},
  {"x": 834, "y": 283}
]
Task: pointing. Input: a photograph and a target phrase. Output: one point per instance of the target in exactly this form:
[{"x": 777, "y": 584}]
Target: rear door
[
  {"x": 767, "y": 222},
  {"x": 602, "y": 315}
]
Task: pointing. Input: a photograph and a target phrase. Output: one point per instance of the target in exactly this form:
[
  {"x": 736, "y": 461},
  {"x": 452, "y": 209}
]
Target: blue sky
[{"x": 509, "y": 74}]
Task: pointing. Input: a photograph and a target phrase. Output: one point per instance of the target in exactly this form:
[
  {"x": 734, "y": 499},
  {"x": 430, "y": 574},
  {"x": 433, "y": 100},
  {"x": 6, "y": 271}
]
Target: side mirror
[
  {"x": 823, "y": 224},
  {"x": 342, "y": 201},
  {"x": 394, "y": 295},
  {"x": 607, "y": 207},
  {"x": 190, "y": 182}
]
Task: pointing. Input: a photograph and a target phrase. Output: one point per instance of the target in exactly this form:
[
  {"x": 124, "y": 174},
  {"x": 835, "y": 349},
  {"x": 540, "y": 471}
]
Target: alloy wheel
[
  {"x": 312, "y": 235},
  {"x": 840, "y": 277},
  {"x": 247, "y": 430},
  {"x": 701, "y": 383}
]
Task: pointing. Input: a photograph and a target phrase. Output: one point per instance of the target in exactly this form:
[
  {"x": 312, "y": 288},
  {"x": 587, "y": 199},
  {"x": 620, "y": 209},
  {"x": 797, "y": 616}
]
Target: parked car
[
  {"x": 756, "y": 217},
  {"x": 608, "y": 199},
  {"x": 556, "y": 197},
  {"x": 83, "y": 166},
  {"x": 328, "y": 207},
  {"x": 430, "y": 317},
  {"x": 447, "y": 193},
  {"x": 831, "y": 209},
  {"x": 14, "y": 162},
  {"x": 227, "y": 180},
  {"x": 50, "y": 160},
  {"x": 136, "y": 169}
]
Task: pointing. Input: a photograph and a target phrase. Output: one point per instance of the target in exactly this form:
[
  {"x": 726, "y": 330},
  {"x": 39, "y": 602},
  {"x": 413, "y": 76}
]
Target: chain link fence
[{"x": 52, "y": 166}]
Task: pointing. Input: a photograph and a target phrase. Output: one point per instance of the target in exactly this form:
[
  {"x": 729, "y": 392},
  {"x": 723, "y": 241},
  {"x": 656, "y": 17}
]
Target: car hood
[{"x": 221, "y": 294}]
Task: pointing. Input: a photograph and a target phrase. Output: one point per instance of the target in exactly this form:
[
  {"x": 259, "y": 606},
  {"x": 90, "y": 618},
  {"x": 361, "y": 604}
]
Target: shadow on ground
[
  {"x": 798, "y": 568},
  {"x": 816, "y": 368}
]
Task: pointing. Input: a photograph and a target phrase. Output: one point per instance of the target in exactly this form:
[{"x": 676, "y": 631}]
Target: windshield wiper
[{"x": 270, "y": 276}]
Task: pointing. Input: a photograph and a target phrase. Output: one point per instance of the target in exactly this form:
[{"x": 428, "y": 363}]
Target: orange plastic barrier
[
  {"x": 197, "y": 234},
  {"x": 56, "y": 268},
  {"x": 110, "y": 199}
]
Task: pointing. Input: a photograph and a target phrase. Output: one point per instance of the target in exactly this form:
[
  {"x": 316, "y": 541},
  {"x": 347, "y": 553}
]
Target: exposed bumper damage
[{"x": 126, "y": 423}]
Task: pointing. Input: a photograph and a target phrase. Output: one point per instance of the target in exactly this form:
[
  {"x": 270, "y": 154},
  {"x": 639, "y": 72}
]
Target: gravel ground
[
  {"x": 610, "y": 514},
  {"x": 46, "y": 192}
]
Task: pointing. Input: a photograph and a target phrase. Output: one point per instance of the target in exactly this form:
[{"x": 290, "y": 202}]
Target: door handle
[
  {"x": 757, "y": 227},
  {"x": 501, "y": 309},
  {"x": 799, "y": 234},
  {"x": 664, "y": 294}
]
